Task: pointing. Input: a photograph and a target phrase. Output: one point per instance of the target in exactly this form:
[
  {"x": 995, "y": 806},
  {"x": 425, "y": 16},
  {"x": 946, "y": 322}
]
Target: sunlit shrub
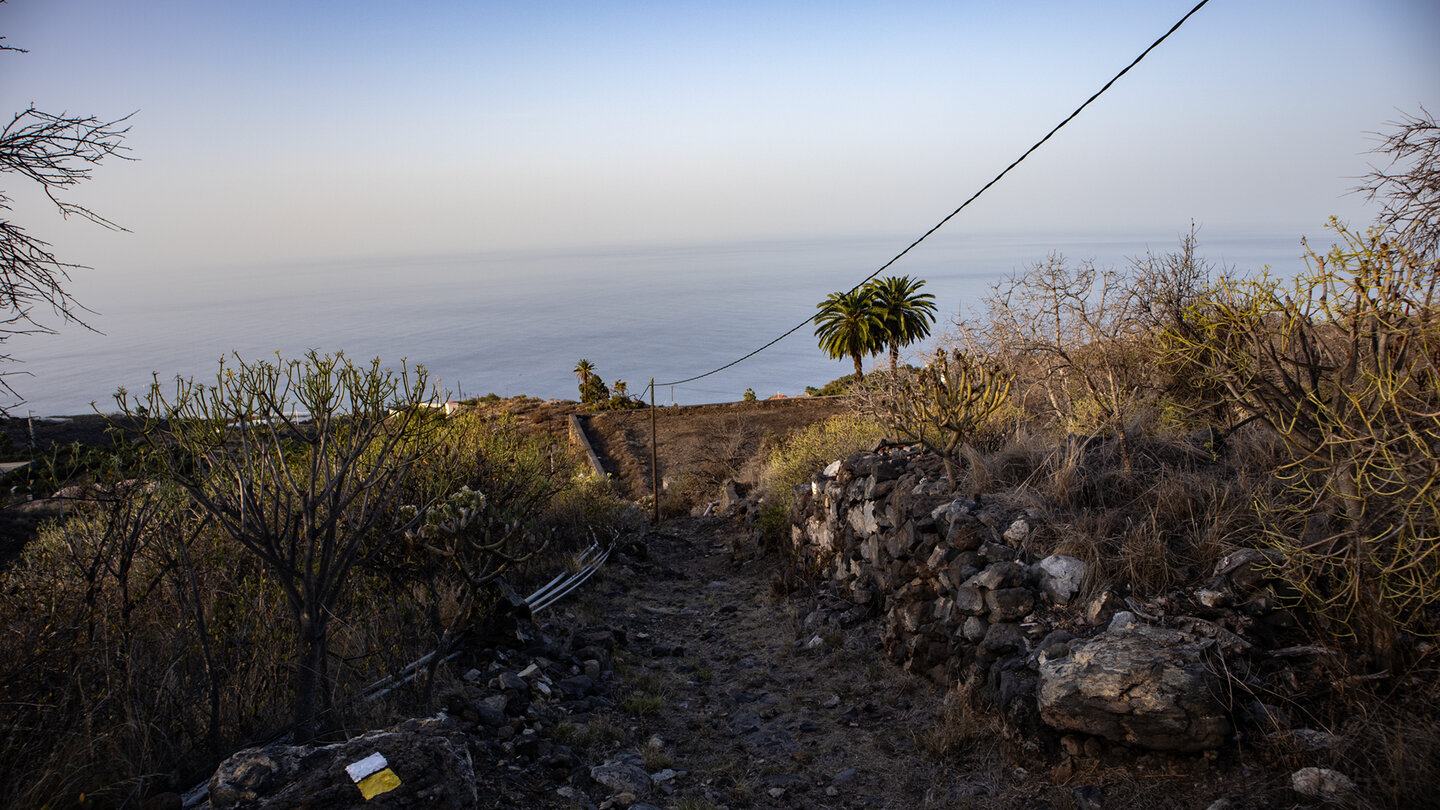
[{"x": 809, "y": 451}]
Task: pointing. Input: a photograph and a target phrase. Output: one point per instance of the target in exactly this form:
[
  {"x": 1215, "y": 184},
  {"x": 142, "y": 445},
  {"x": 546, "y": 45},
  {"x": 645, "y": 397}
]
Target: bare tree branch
[
  {"x": 1409, "y": 186},
  {"x": 57, "y": 152}
]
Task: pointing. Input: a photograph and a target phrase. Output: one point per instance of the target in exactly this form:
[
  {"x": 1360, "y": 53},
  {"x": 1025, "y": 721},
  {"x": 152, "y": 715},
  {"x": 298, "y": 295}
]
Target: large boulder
[
  {"x": 427, "y": 761},
  {"x": 1145, "y": 686}
]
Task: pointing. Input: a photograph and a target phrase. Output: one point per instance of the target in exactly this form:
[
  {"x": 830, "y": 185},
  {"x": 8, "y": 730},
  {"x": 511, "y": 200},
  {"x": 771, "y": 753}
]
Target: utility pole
[{"x": 654, "y": 455}]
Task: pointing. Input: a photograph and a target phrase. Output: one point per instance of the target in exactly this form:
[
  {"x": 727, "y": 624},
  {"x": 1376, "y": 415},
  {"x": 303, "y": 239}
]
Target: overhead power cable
[{"x": 963, "y": 205}]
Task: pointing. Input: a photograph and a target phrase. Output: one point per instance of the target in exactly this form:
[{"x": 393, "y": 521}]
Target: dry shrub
[
  {"x": 123, "y": 660},
  {"x": 1013, "y": 463},
  {"x": 682, "y": 493},
  {"x": 1341, "y": 362},
  {"x": 1388, "y": 733},
  {"x": 141, "y": 641},
  {"x": 1158, "y": 522},
  {"x": 1393, "y": 749},
  {"x": 725, "y": 455},
  {"x": 966, "y": 727}
]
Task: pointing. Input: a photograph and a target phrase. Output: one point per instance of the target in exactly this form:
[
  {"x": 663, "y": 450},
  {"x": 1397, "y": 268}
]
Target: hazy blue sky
[{"x": 278, "y": 130}]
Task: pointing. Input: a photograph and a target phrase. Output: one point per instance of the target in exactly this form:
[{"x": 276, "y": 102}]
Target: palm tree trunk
[
  {"x": 859, "y": 370},
  {"x": 894, "y": 359}
]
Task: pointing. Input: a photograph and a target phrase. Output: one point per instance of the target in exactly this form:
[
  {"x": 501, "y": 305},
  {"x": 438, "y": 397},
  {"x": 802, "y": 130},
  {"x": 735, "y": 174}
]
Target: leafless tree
[
  {"x": 306, "y": 495},
  {"x": 58, "y": 152},
  {"x": 1072, "y": 329},
  {"x": 1409, "y": 186}
]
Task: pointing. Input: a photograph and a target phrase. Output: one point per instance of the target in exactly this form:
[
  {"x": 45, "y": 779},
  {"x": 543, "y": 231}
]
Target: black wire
[{"x": 963, "y": 205}]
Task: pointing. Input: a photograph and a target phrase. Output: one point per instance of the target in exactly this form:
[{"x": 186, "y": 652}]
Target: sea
[{"x": 517, "y": 322}]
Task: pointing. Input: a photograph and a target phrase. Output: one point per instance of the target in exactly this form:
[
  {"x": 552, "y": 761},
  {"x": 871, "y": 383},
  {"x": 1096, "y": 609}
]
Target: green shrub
[
  {"x": 947, "y": 402},
  {"x": 1341, "y": 364},
  {"x": 773, "y": 523},
  {"x": 798, "y": 458},
  {"x": 308, "y": 496}
]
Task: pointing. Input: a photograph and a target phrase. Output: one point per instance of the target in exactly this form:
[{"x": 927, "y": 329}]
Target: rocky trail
[
  {"x": 751, "y": 707},
  {"x": 677, "y": 679},
  {"x": 717, "y": 693}
]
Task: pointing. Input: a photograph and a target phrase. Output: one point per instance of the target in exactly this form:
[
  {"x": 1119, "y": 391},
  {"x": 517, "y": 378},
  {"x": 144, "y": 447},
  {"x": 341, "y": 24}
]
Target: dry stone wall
[{"x": 965, "y": 591}]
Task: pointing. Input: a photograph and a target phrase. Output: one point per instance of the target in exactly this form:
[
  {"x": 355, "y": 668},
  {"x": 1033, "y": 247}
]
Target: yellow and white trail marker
[{"x": 373, "y": 776}]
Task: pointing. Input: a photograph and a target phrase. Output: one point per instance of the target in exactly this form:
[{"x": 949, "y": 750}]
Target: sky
[{"x": 280, "y": 131}]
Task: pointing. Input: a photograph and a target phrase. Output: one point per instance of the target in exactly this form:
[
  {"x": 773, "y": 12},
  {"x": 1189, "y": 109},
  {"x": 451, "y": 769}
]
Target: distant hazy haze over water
[{"x": 516, "y": 323}]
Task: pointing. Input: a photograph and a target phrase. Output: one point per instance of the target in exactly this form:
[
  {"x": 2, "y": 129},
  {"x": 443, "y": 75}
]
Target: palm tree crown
[
  {"x": 905, "y": 312},
  {"x": 849, "y": 325},
  {"x": 590, "y": 383}
]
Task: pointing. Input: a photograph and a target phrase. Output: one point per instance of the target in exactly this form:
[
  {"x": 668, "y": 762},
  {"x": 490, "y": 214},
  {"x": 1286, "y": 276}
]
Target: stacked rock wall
[
  {"x": 965, "y": 592},
  {"x": 952, "y": 577}
]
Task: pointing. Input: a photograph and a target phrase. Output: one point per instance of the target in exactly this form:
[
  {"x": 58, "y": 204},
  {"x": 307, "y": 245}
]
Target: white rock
[
  {"x": 1211, "y": 598},
  {"x": 1018, "y": 532},
  {"x": 1061, "y": 577},
  {"x": 621, "y": 777},
  {"x": 1321, "y": 783}
]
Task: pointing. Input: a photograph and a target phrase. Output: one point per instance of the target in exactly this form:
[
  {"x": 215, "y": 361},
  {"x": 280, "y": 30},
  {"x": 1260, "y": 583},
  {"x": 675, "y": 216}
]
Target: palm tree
[
  {"x": 584, "y": 370},
  {"x": 905, "y": 311},
  {"x": 849, "y": 325}
]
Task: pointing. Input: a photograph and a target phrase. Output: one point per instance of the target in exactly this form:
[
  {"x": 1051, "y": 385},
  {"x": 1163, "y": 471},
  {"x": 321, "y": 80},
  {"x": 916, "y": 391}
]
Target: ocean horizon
[{"x": 517, "y": 322}]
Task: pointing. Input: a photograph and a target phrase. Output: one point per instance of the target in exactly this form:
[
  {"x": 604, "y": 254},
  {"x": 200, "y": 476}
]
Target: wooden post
[{"x": 654, "y": 455}]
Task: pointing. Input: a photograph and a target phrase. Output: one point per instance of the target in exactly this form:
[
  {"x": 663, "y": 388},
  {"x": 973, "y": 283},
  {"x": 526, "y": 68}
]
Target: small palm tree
[
  {"x": 906, "y": 312},
  {"x": 849, "y": 325},
  {"x": 584, "y": 370}
]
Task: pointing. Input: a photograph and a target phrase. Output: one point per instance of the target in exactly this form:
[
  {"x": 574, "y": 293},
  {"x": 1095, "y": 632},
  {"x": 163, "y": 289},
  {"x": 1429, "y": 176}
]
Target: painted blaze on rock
[{"x": 1144, "y": 686}]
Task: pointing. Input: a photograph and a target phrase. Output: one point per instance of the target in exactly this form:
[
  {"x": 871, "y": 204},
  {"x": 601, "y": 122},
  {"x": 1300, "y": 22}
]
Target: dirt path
[{"x": 724, "y": 691}]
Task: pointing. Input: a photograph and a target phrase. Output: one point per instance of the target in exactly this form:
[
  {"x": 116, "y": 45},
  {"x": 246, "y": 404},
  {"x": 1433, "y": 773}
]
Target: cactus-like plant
[
  {"x": 1344, "y": 364},
  {"x": 947, "y": 402}
]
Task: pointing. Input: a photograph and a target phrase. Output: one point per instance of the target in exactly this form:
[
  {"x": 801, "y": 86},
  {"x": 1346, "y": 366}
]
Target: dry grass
[
  {"x": 964, "y": 729},
  {"x": 1388, "y": 731},
  {"x": 1155, "y": 521}
]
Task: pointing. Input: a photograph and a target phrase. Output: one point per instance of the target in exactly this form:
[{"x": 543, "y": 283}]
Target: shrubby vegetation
[
  {"x": 600, "y": 397},
  {"x": 167, "y": 619},
  {"x": 1342, "y": 364},
  {"x": 1156, "y": 416},
  {"x": 796, "y": 459},
  {"x": 1164, "y": 412}
]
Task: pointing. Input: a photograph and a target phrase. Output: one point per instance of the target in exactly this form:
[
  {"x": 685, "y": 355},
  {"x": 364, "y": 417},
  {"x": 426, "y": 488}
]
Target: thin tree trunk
[
  {"x": 894, "y": 359},
  {"x": 859, "y": 370},
  {"x": 309, "y": 662}
]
